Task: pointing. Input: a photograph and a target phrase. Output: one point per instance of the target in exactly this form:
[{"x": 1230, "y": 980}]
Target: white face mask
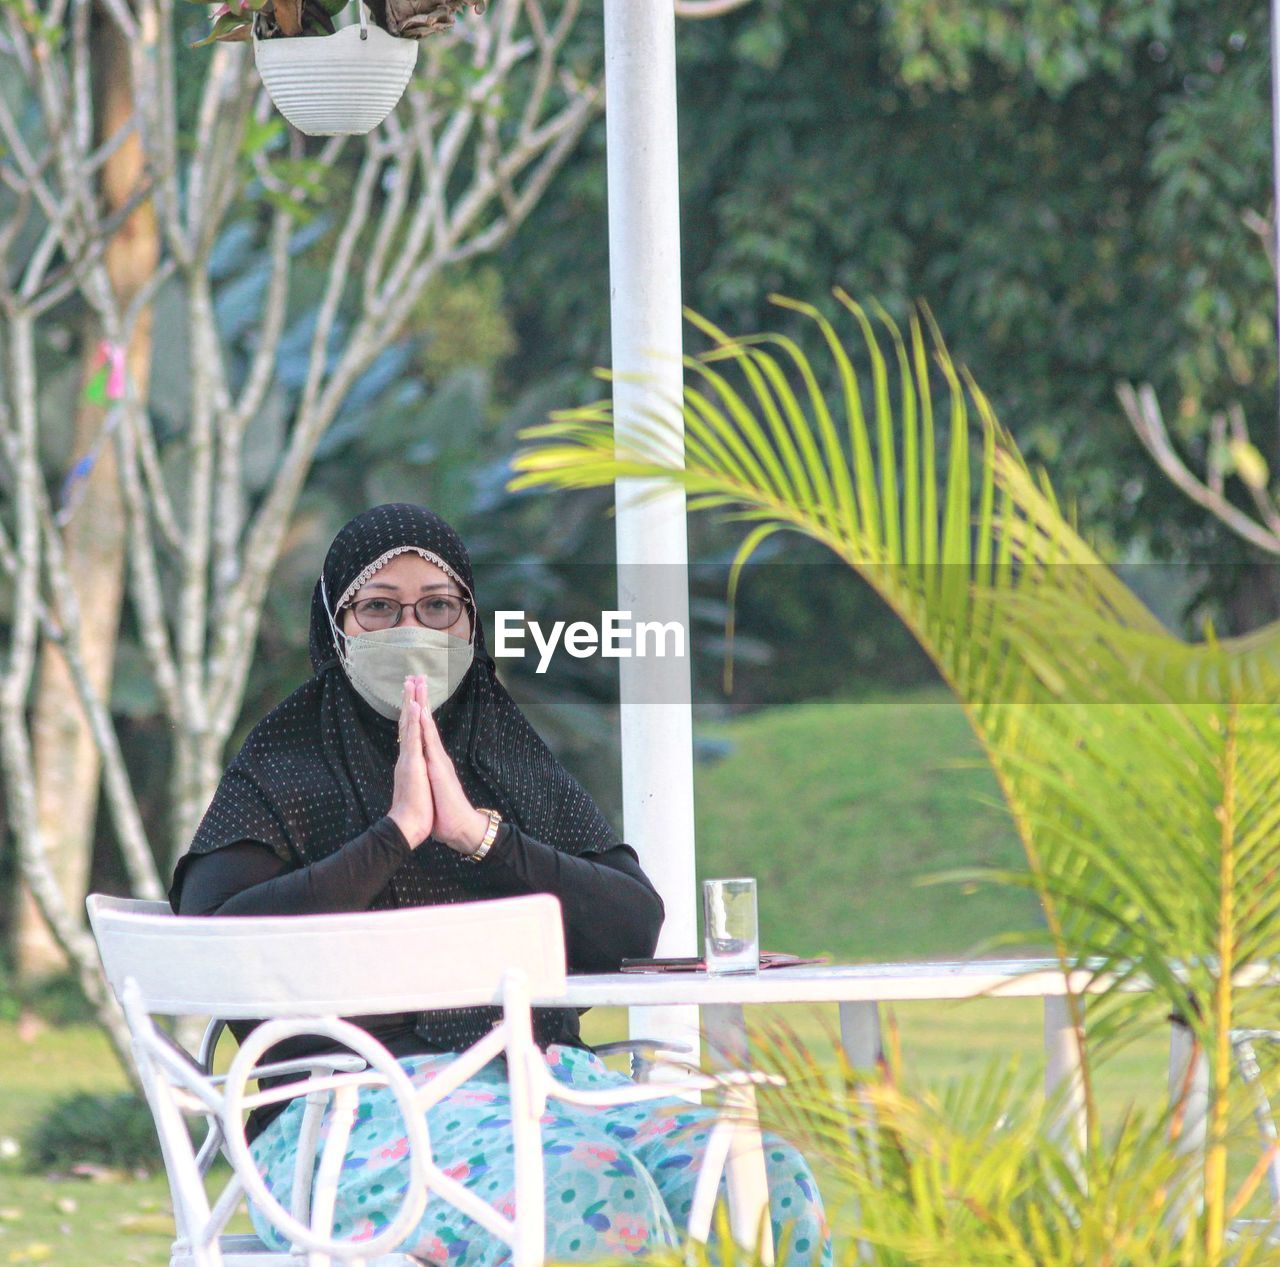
[{"x": 378, "y": 662}]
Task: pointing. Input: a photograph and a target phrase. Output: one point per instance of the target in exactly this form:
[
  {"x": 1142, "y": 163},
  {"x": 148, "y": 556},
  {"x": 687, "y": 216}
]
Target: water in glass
[{"x": 732, "y": 938}]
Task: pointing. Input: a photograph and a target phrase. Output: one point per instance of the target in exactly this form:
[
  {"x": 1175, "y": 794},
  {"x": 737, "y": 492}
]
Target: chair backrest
[
  {"x": 1245, "y": 1043},
  {"x": 303, "y": 972},
  {"x": 372, "y": 962}
]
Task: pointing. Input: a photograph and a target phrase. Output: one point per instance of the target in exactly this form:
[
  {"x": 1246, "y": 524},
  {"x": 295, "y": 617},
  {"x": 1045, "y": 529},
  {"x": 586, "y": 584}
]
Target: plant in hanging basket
[
  {"x": 346, "y": 81},
  {"x": 234, "y": 20},
  {"x": 275, "y": 19},
  {"x": 414, "y": 19}
]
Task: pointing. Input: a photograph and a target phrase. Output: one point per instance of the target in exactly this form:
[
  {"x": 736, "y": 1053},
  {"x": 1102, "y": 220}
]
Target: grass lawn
[
  {"x": 117, "y": 1219},
  {"x": 839, "y": 809}
]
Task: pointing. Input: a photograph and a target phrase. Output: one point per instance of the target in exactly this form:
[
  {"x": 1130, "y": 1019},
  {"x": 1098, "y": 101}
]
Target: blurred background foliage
[{"x": 1074, "y": 186}]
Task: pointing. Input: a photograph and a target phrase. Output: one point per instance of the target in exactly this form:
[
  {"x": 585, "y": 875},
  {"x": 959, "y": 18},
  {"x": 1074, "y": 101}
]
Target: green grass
[
  {"x": 841, "y": 808},
  {"x": 116, "y": 1219},
  {"x": 947, "y": 1040},
  {"x": 120, "y": 1219}
]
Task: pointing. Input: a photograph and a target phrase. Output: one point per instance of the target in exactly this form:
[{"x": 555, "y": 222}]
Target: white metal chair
[
  {"x": 1244, "y": 1045},
  {"x": 301, "y": 975}
]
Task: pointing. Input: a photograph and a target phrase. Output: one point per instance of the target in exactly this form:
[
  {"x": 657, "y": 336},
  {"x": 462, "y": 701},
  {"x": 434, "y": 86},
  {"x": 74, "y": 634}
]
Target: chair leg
[
  {"x": 526, "y": 1080},
  {"x": 529, "y": 1249},
  {"x": 304, "y": 1166},
  {"x": 748, "y": 1180},
  {"x": 702, "y": 1206}
]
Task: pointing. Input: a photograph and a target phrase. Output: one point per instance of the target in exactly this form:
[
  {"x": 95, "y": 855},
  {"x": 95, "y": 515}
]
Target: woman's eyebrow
[{"x": 391, "y": 585}]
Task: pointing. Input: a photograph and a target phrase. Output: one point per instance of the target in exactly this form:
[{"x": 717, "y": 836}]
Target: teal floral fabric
[{"x": 619, "y": 1181}]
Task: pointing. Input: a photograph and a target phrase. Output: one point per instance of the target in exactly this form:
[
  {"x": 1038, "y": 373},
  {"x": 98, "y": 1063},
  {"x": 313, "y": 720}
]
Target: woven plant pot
[{"x": 336, "y": 85}]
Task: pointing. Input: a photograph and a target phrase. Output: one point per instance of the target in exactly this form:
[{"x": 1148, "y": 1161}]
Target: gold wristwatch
[{"x": 490, "y": 835}]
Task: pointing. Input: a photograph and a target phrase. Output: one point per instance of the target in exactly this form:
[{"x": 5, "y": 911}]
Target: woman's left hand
[{"x": 458, "y": 823}]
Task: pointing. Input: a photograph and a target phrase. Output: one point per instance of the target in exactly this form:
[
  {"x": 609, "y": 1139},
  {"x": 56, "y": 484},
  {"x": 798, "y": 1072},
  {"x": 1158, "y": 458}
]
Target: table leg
[
  {"x": 860, "y": 1034},
  {"x": 1188, "y": 1086},
  {"x": 726, "y": 1039},
  {"x": 1064, "y": 1077},
  {"x": 863, "y": 1048}
]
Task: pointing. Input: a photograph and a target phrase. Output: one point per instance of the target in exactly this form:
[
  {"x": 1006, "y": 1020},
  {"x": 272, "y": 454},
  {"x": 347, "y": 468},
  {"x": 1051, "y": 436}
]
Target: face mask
[{"x": 378, "y": 661}]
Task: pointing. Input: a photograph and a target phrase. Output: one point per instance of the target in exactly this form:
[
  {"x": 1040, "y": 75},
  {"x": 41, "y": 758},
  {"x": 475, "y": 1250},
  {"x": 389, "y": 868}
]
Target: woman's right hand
[{"x": 412, "y": 806}]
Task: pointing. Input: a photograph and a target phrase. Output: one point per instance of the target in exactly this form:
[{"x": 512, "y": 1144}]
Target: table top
[{"x": 826, "y": 983}]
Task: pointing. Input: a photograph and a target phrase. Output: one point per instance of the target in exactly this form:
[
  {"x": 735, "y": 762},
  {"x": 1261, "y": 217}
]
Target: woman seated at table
[{"x": 403, "y": 774}]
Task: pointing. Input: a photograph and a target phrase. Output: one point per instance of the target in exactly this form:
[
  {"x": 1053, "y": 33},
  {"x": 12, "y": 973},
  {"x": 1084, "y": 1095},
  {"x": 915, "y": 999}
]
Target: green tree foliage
[
  {"x": 462, "y": 321},
  {"x": 1057, "y": 44},
  {"x": 1065, "y": 182}
]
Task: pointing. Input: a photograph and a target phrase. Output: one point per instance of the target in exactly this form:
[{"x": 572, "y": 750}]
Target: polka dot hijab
[{"x": 318, "y": 769}]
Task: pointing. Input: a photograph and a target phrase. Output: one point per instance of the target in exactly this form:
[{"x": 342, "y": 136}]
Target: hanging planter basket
[{"x": 336, "y": 85}]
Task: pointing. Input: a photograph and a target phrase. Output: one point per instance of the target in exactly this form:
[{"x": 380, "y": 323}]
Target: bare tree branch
[
  {"x": 156, "y": 495},
  {"x": 32, "y": 171},
  {"x": 1262, "y": 499},
  {"x": 1143, "y": 411},
  {"x": 10, "y": 232},
  {"x": 144, "y": 575},
  {"x": 126, "y": 817},
  {"x": 1264, "y": 228},
  {"x": 707, "y": 8},
  {"x": 15, "y": 759},
  {"x": 123, "y": 18},
  {"x": 25, "y": 475},
  {"x": 33, "y": 276},
  {"x": 228, "y": 478},
  {"x": 82, "y": 93},
  {"x": 15, "y": 682},
  {"x": 8, "y": 555},
  {"x": 400, "y": 179},
  {"x": 99, "y": 157},
  {"x": 83, "y": 271},
  {"x": 203, "y": 172},
  {"x": 448, "y": 178}
]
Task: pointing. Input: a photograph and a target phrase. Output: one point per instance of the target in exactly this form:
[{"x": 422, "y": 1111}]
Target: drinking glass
[{"x": 732, "y": 936}]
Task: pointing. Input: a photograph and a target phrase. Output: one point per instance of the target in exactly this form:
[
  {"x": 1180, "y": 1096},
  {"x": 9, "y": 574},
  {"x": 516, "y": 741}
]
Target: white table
[{"x": 858, "y": 990}]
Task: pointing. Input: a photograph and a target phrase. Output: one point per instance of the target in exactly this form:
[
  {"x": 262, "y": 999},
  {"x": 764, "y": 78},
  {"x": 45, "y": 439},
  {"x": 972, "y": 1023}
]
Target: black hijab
[{"x": 317, "y": 771}]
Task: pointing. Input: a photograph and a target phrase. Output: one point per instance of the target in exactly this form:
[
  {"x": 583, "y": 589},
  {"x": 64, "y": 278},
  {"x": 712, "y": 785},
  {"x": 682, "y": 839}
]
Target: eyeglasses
[{"x": 435, "y": 611}]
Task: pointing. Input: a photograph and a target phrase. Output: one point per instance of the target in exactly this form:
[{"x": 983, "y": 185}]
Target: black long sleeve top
[{"x": 611, "y": 911}]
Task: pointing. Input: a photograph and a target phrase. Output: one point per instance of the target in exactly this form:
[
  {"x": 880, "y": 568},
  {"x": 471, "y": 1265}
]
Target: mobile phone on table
[{"x": 687, "y": 964}]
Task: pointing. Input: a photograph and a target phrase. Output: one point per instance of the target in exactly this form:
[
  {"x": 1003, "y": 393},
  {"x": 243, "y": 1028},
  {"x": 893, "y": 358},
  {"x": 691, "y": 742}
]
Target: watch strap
[{"x": 490, "y": 835}]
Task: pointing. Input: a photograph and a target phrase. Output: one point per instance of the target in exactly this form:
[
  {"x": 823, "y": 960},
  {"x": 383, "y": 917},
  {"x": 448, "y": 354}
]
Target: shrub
[
  {"x": 57, "y": 1001},
  {"x": 105, "y": 1129}
]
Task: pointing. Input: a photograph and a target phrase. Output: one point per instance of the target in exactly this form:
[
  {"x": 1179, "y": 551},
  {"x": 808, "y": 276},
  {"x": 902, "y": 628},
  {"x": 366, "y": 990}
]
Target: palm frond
[{"x": 1139, "y": 769}]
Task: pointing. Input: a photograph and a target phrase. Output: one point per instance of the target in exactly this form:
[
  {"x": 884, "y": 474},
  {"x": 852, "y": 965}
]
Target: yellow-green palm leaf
[{"x": 1141, "y": 771}]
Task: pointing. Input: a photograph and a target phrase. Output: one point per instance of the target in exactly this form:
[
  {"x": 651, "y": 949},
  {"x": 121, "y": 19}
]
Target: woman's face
[{"x": 406, "y": 579}]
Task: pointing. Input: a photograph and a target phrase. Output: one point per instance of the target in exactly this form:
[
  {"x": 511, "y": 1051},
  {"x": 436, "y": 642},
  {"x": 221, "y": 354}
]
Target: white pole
[{"x": 644, "y": 269}]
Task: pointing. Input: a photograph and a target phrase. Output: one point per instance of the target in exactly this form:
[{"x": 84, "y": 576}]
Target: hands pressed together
[{"x": 427, "y": 799}]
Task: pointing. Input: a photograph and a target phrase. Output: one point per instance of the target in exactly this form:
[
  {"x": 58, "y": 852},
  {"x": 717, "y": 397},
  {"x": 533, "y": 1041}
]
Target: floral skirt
[{"x": 619, "y": 1181}]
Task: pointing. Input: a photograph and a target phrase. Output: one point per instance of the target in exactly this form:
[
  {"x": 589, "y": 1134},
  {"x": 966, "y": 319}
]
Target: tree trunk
[
  {"x": 197, "y": 769},
  {"x": 66, "y": 760}
]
